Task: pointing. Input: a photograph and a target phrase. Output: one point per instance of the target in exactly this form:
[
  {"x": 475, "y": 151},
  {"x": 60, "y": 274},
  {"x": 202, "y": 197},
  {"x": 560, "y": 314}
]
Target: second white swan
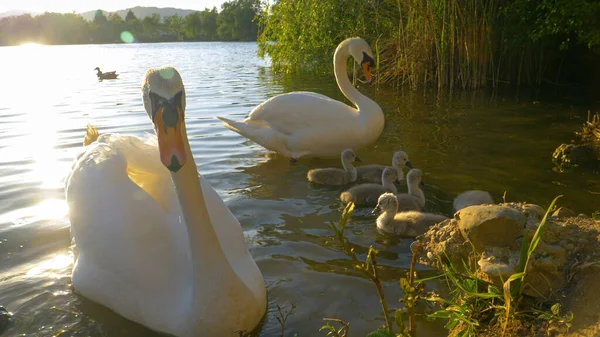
[{"x": 304, "y": 123}]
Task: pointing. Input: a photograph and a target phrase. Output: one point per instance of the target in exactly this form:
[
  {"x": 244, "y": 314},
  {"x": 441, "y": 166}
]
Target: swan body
[
  {"x": 367, "y": 194},
  {"x": 410, "y": 223},
  {"x": 372, "y": 173},
  {"x": 304, "y": 123},
  {"x": 110, "y": 75},
  {"x": 414, "y": 200},
  {"x": 471, "y": 198},
  {"x": 335, "y": 176},
  {"x": 154, "y": 241}
]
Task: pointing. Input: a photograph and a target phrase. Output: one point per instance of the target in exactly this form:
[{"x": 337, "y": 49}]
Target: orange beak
[
  {"x": 366, "y": 67},
  {"x": 170, "y": 141}
]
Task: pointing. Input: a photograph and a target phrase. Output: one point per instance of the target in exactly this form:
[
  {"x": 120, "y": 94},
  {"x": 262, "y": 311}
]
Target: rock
[
  {"x": 534, "y": 211},
  {"x": 563, "y": 212},
  {"x": 490, "y": 225},
  {"x": 486, "y": 239},
  {"x": 496, "y": 264},
  {"x": 570, "y": 155}
]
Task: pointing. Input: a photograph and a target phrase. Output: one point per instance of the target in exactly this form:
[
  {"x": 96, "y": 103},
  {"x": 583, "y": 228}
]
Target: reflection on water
[{"x": 461, "y": 141}]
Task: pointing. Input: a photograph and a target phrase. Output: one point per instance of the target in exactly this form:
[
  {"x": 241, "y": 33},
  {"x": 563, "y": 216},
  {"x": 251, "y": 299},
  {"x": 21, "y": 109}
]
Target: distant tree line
[{"x": 237, "y": 21}]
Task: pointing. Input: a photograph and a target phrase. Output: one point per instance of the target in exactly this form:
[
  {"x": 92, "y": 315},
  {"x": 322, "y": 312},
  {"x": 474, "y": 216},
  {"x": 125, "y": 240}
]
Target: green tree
[
  {"x": 133, "y": 24},
  {"x": 100, "y": 18},
  {"x": 152, "y": 26},
  {"x": 174, "y": 24},
  {"x": 307, "y": 32},
  {"x": 237, "y": 20},
  {"x": 17, "y": 30},
  {"x": 130, "y": 16},
  {"x": 100, "y": 30},
  {"x": 193, "y": 25},
  {"x": 209, "y": 23},
  {"x": 116, "y": 26}
]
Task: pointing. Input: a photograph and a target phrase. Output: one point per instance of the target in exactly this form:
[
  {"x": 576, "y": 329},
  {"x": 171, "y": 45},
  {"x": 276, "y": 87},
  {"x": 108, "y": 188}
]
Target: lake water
[{"x": 465, "y": 141}]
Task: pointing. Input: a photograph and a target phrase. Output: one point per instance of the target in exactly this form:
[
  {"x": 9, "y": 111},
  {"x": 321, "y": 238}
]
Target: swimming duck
[{"x": 111, "y": 75}]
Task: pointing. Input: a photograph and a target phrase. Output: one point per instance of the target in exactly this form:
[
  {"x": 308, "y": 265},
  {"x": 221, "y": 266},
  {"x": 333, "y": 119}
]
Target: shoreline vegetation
[
  {"x": 236, "y": 21},
  {"x": 467, "y": 44}
]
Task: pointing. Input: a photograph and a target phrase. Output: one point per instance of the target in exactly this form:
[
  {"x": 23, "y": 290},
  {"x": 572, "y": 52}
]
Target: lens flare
[
  {"x": 127, "y": 37},
  {"x": 167, "y": 73}
]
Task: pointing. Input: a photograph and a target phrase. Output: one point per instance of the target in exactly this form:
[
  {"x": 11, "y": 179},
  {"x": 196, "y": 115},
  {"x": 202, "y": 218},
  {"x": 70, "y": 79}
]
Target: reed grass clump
[{"x": 466, "y": 44}]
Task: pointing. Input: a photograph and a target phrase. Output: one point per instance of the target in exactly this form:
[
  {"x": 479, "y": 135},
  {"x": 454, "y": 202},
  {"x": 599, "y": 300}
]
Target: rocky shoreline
[{"x": 487, "y": 239}]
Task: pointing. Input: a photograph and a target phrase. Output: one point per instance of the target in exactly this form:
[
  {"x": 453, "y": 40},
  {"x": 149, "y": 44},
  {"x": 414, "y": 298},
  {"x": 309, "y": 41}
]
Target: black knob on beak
[{"x": 174, "y": 166}]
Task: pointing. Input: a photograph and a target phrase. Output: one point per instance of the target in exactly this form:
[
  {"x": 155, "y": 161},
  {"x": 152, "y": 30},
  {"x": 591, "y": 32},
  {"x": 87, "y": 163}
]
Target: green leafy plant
[
  {"x": 475, "y": 303},
  {"x": 554, "y": 316},
  {"x": 368, "y": 268},
  {"x": 341, "y": 331}
]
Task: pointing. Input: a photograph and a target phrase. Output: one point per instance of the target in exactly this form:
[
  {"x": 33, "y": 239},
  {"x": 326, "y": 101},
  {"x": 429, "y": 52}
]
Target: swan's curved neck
[
  {"x": 207, "y": 255},
  {"x": 399, "y": 172},
  {"x": 389, "y": 185},
  {"x": 386, "y": 217},
  {"x": 350, "y": 169},
  {"x": 341, "y": 76},
  {"x": 415, "y": 190}
]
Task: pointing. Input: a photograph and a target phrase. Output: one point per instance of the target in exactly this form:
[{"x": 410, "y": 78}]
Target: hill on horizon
[
  {"x": 139, "y": 11},
  {"x": 142, "y": 12}
]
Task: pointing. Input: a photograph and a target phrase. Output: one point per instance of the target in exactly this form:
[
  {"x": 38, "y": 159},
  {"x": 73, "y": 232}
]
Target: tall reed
[{"x": 445, "y": 43}]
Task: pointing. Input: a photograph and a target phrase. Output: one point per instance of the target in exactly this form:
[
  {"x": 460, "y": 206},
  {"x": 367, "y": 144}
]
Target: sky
[{"x": 64, "y": 6}]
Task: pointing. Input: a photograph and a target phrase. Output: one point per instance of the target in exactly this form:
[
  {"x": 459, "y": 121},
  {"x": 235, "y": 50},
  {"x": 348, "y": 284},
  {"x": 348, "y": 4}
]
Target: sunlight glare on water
[{"x": 52, "y": 267}]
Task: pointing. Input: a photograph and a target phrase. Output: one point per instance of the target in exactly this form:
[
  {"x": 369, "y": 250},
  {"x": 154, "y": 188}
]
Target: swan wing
[
  {"x": 128, "y": 245},
  {"x": 293, "y": 112}
]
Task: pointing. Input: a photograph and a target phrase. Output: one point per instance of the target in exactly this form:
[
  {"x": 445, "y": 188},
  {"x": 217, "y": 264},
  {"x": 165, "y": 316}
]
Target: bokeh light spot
[
  {"x": 167, "y": 73},
  {"x": 127, "y": 37}
]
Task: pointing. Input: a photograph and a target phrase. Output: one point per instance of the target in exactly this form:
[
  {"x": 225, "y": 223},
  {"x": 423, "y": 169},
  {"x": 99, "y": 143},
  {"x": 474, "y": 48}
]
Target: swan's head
[
  {"x": 387, "y": 202},
  {"x": 388, "y": 175},
  {"x": 348, "y": 156},
  {"x": 400, "y": 159},
  {"x": 164, "y": 100},
  {"x": 362, "y": 53},
  {"x": 415, "y": 177}
]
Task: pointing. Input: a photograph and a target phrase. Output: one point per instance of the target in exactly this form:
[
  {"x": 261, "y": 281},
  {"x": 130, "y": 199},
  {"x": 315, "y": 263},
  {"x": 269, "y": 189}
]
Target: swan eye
[{"x": 368, "y": 59}]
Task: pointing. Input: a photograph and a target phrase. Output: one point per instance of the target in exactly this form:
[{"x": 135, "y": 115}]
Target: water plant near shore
[{"x": 475, "y": 307}]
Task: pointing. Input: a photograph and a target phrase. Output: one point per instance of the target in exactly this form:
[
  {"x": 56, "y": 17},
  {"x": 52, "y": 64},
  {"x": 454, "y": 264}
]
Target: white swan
[
  {"x": 410, "y": 223},
  {"x": 303, "y": 123},
  {"x": 470, "y": 198},
  {"x": 372, "y": 173},
  {"x": 159, "y": 246},
  {"x": 333, "y": 176}
]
